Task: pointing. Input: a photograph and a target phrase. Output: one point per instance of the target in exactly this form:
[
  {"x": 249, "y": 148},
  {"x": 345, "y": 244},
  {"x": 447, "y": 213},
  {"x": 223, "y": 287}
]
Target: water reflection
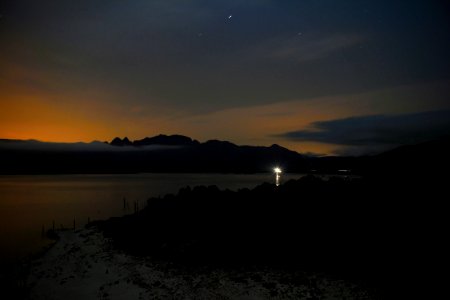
[{"x": 31, "y": 204}]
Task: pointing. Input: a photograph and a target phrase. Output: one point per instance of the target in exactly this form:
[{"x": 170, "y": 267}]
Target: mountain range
[{"x": 177, "y": 153}]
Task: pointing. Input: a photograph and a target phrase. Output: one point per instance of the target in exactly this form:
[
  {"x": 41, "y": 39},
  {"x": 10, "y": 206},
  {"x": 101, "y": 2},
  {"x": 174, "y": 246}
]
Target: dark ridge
[
  {"x": 169, "y": 140},
  {"x": 119, "y": 142},
  {"x": 175, "y": 154},
  {"x": 424, "y": 158},
  {"x": 181, "y": 154},
  {"x": 219, "y": 144}
]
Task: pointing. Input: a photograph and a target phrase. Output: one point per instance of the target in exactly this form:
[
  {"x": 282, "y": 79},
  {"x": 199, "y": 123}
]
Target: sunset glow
[{"x": 228, "y": 79}]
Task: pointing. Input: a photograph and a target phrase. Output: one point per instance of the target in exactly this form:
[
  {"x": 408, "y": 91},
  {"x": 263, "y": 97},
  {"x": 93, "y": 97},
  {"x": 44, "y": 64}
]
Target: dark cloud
[
  {"x": 127, "y": 67},
  {"x": 377, "y": 131},
  {"x": 150, "y": 52}
]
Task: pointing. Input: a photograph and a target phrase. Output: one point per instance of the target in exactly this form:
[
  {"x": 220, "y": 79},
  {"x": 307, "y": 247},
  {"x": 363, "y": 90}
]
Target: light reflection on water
[{"x": 29, "y": 203}]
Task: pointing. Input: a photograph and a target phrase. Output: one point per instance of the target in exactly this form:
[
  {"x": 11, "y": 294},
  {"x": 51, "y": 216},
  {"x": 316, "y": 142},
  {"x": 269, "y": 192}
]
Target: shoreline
[
  {"x": 14, "y": 273},
  {"x": 83, "y": 264}
]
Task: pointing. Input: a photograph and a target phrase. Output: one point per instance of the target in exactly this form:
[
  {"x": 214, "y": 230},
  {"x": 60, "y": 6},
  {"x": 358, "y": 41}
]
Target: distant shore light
[{"x": 277, "y": 171}]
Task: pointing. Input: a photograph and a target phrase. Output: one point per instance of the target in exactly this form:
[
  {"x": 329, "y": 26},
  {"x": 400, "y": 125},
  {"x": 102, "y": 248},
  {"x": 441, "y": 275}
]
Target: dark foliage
[{"x": 385, "y": 233}]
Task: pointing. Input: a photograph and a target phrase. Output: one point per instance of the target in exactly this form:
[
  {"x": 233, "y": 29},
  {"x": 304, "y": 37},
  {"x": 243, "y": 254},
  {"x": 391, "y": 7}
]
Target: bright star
[{"x": 230, "y": 16}]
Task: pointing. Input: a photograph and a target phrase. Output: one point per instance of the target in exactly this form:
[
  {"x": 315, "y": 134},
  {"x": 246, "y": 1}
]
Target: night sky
[{"x": 318, "y": 76}]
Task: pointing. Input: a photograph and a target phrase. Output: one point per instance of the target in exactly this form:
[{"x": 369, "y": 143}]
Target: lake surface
[{"x": 29, "y": 204}]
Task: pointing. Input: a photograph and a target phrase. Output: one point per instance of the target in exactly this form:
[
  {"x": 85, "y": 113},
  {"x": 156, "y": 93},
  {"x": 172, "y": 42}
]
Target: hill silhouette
[
  {"x": 161, "y": 153},
  {"x": 168, "y": 140},
  {"x": 177, "y": 153},
  {"x": 119, "y": 142}
]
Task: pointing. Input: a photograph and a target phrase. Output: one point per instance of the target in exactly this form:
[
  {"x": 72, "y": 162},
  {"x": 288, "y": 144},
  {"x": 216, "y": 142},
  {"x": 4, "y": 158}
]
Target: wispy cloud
[{"x": 303, "y": 48}]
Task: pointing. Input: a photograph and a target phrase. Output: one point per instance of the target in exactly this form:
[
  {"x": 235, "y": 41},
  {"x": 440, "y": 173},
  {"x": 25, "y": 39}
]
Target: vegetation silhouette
[{"x": 386, "y": 233}]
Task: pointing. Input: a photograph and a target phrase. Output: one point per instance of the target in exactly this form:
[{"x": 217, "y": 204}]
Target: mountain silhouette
[
  {"x": 119, "y": 142},
  {"x": 162, "y": 153},
  {"x": 427, "y": 157},
  {"x": 172, "y": 140},
  {"x": 178, "y": 153}
]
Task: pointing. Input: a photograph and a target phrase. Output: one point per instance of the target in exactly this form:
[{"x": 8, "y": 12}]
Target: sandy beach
[{"x": 84, "y": 265}]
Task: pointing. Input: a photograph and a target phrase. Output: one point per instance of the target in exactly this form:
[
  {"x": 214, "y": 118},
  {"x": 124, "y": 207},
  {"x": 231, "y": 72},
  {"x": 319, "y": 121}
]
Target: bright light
[{"x": 277, "y": 171}]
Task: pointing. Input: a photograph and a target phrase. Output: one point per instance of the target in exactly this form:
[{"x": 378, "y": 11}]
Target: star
[{"x": 230, "y": 16}]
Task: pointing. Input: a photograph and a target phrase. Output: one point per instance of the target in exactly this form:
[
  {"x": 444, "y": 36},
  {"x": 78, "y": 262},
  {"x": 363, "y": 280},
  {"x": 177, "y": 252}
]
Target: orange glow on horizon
[
  {"x": 30, "y": 113},
  {"x": 38, "y": 118}
]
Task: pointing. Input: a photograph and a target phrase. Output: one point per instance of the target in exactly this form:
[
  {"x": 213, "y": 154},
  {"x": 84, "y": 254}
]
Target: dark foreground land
[
  {"x": 386, "y": 234},
  {"x": 342, "y": 238}
]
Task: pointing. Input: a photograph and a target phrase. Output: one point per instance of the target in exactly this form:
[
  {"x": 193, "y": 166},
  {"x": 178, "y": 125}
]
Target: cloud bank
[{"x": 376, "y": 131}]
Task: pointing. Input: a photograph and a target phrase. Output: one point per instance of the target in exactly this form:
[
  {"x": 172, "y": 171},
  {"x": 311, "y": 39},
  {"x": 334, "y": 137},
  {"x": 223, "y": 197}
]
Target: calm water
[{"x": 29, "y": 203}]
